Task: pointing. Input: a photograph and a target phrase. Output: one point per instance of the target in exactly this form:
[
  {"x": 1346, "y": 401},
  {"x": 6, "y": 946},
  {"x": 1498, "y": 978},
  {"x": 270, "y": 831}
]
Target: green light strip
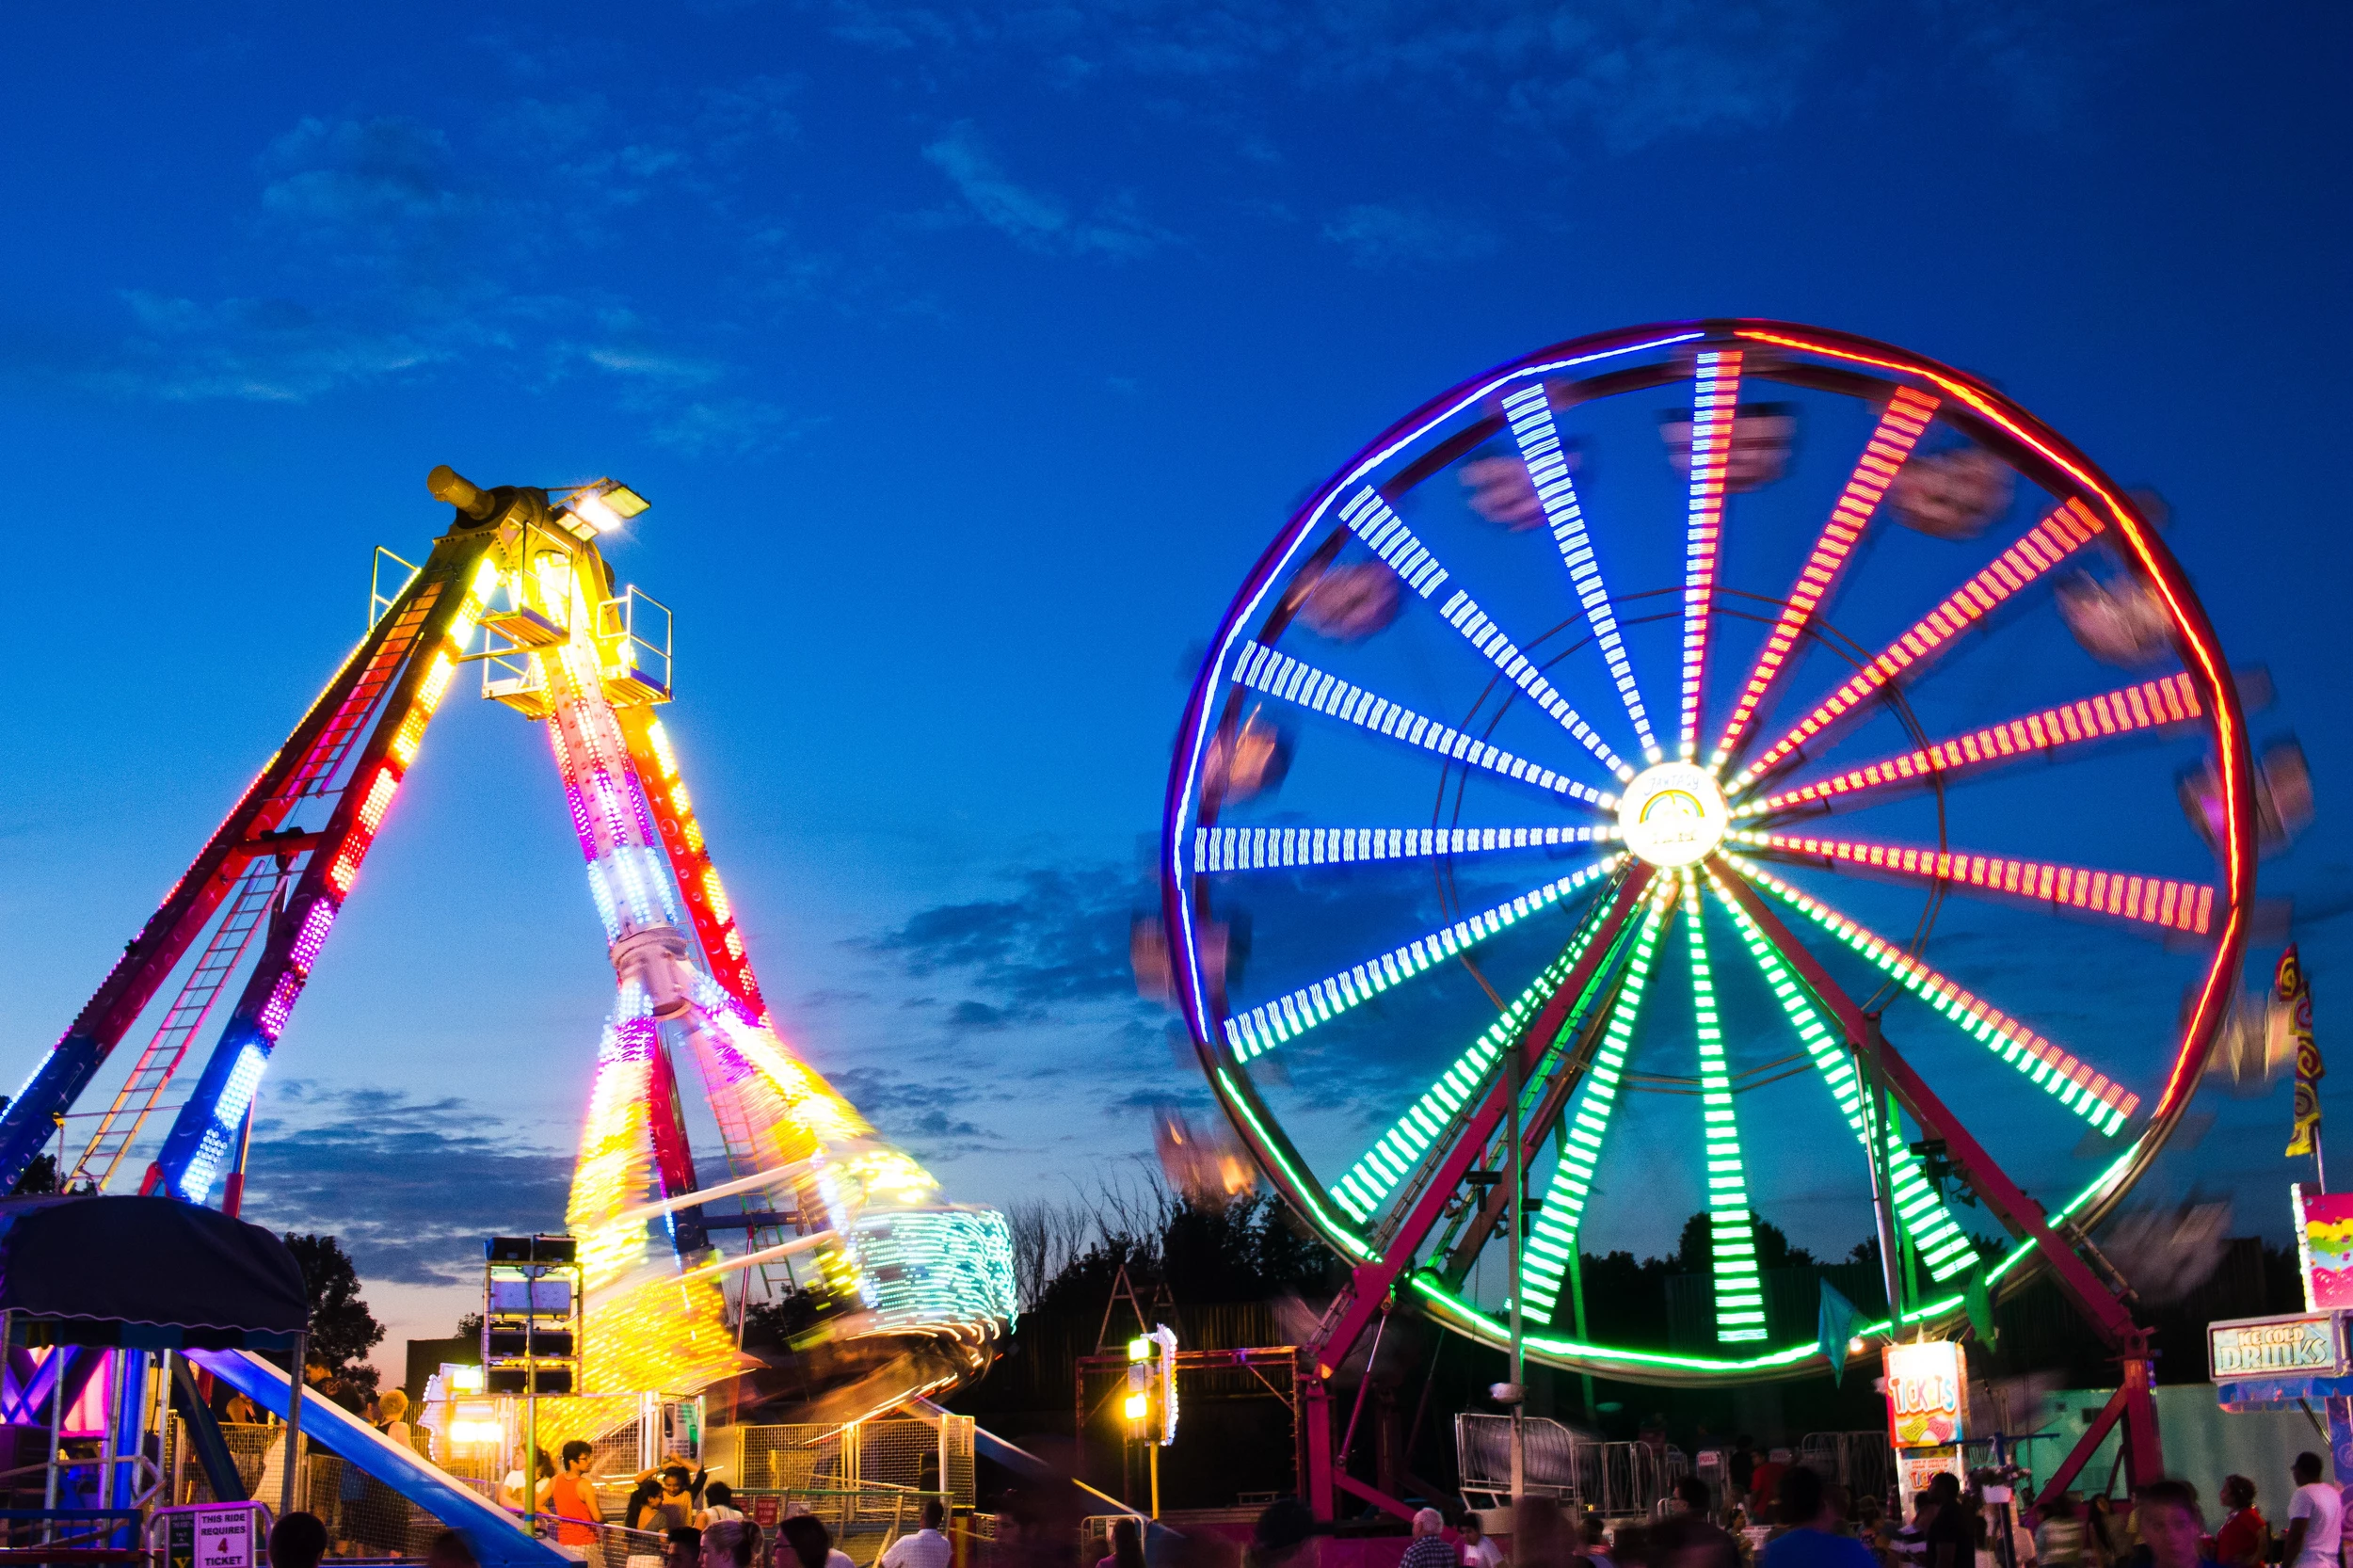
[
  {"x": 1396, "y": 1152},
  {"x": 1553, "y": 1240},
  {"x": 1923, "y": 1215},
  {"x": 1299, "y": 1186},
  {"x": 1479, "y": 1325},
  {"x": 1731, "y": 1233},
  {"x": 2090, "y": 1095}
]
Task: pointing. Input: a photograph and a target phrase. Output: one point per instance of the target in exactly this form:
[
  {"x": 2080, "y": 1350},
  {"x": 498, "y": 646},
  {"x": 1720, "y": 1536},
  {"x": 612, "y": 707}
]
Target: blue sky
[{"x": 970, "y": 357}]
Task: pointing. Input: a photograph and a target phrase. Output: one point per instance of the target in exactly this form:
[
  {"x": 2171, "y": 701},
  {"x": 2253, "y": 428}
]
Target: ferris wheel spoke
[
  {"x": 1385, "y": 532},
  {"x": 1263, "y": 669},
  {"x": 2171, "y": 699},
  {"x": 1530, "y": 413},
  {"x": 1431, "y": 1120},
  {"x": 1270, "y": 1024},
  {"x": 1552, "y": 1241},
  {"x": 1254, "y": 849},
  {"x": 2067, "y": 529},
  {"x": 2148, "y": 900},
  {"x": 2074, "y": 1083},
  {"x": 1732, "y": 1234},
  {"x": 1923, "y": 1214},
  {"x": 1900, "y": 426},
  {"x": 1715, "y": 393}
]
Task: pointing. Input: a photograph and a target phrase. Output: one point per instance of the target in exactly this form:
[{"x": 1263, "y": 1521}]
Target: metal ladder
[{"x": 248, "y": 908}]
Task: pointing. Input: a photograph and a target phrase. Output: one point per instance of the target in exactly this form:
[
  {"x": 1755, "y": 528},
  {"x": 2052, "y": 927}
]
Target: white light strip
[
  {"x": 1379, "y": 527},
  {"x": 1250, "y": 849},
  {"x": 1270, "y": 1024},
  {"x": 1262, "y": 669},
  {"x": 1530, "y": 413}
]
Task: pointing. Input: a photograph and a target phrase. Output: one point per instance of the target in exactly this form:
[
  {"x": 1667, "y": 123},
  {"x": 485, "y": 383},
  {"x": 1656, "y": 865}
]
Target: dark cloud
[
  {"x": 412, "y": 1186},
  {"x": 1062, "y": 940}
]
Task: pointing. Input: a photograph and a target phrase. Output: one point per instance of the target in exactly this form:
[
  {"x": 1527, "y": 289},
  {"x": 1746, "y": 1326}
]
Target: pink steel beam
[
  {"x": 2044, "y": 546},
  {"x": 1900, "y": 426},
  {"x": 1369, "y": 1283},
  {"x": 2154, "y": 900},
  {"x": 1716, "y": 394},
  {"x": 2172, "y": 699}
]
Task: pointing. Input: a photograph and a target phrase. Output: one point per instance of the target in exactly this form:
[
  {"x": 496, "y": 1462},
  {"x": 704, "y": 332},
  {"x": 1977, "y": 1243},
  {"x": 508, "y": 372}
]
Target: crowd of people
[{"x": 1774, "y": 1513}]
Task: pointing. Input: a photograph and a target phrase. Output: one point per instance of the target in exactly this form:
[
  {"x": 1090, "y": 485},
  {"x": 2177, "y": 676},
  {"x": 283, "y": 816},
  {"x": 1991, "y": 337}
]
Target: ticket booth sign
[{"x": 1927, "y": 1394}]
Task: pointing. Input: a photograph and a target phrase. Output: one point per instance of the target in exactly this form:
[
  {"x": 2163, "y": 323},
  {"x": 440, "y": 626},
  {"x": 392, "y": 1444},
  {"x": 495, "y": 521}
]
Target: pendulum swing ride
[{"x": 904, "y": 1293}]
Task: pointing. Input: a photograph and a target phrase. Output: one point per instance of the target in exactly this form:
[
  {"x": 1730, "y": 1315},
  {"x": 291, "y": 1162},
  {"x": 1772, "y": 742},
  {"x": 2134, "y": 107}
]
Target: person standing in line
[
  {"x": 1814, "y": 1538},
  {"x": 573, "y": 1498},
  {"x": 2173, "y": 1530},
  {"x": 1741, "y": 1468},
  {"x": 393, "y": 1406},
  {"x": 927, "y": 1547},
  {"x": 1765, "y": 1487},
  {"x": 1429, "y": 1548},
  {"x": 1477, "y": 1551},
  {"x": 2316, "y": 1518},
  {"x": 2059, "y": 1541},
  {"x": 2240, "y": 1542},
  {"x": 1910, "y": 1545}
]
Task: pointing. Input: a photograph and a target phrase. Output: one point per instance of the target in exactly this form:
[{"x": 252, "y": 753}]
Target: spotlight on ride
[{"x": 605, "y": 504}]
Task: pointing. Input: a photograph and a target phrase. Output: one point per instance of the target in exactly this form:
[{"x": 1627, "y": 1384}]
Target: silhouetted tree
[{"x": 343, "y": 1330}]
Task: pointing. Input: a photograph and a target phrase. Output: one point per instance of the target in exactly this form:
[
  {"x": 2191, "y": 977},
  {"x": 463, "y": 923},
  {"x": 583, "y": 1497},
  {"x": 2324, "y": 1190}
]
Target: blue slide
[{"x": 498, "y": 1539}]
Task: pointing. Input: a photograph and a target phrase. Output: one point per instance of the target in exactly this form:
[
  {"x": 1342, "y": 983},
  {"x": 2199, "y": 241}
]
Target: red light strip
[
  {"x": 2157, "y": 900},
  {"x": 2219, "y": 985},
  {"x": 1715, "y": 398},
  {"x": 2047, "y": 544},
  {"x": 1989, "y": 1023},
  {"x": 2171, "y": 700},
  {"x": 1900, "y": 427}
]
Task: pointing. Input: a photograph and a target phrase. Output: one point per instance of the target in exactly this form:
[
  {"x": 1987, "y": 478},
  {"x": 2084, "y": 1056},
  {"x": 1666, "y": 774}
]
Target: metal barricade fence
[
  {"x": 1860, "y": 1460},
  {"x": 1617, "y": 1481}
]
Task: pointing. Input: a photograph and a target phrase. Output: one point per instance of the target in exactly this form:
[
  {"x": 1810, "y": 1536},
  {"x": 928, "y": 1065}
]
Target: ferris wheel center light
[{"x": 1672, "y": 814}]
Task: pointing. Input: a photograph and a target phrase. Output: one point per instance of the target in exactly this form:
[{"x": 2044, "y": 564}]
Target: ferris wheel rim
[{"x": 2046, "y": 454}]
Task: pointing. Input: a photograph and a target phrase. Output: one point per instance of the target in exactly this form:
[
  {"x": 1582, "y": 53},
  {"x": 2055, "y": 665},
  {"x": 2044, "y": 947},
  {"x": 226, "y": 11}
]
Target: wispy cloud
[
  {"x": 1031, "y": 218},
  {"x": 1380, "y": 236}
]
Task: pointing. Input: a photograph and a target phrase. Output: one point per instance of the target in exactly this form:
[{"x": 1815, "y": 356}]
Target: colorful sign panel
[
  {"x": 1919, "y": 1466},
  {"x": 2306, "y": 1345},
  {"x": 2324, "y": 1240},
  {"x": 1927, "y": 1394}
]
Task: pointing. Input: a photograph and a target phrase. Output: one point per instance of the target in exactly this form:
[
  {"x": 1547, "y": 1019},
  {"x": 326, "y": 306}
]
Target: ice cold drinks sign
[{"x": 2306, "y": 1345}]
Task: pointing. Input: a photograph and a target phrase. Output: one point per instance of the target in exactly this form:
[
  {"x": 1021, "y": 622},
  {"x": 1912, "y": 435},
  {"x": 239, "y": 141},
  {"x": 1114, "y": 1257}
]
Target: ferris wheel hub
[{"x": 1674, "y": 814}]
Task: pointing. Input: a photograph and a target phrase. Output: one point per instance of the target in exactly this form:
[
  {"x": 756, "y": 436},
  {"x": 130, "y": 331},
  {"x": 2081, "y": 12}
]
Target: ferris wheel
[{"x": 1683, "y": 752}]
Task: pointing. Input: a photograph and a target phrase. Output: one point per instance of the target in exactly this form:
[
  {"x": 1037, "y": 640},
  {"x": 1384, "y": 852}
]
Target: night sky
[{"x": 970, "y": 357}]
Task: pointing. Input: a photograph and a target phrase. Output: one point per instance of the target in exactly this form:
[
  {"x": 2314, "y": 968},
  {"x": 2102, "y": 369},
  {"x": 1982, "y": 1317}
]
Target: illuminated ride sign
[
  {"x": 1672, "y": 814},
  {"x": 1927, "y": 1394},
  {"x": 2306, "y": 1345}
]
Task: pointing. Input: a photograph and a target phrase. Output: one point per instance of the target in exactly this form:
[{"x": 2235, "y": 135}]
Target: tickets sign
[{"x": 1927, "y": 1394}]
